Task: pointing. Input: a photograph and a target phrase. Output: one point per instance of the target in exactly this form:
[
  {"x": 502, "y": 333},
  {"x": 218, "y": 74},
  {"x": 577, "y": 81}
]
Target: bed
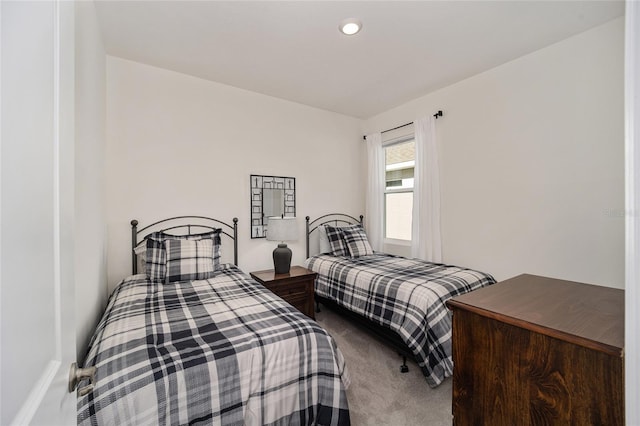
[
  {"x": 400, "y": 300},
  {"x": 207, "y": 345}
]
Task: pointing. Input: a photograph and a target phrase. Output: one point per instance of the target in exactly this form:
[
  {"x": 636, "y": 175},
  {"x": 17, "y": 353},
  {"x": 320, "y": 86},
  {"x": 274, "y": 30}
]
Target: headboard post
[
  {"x": 134, "y": 243},
  {"x": 306, "y": 219},
  {"x": 235, "y": 241}
]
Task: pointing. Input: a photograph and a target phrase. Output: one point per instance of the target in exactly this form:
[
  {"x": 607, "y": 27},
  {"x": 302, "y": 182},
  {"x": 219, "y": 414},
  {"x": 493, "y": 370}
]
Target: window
[{"x": 398, "y": 198}]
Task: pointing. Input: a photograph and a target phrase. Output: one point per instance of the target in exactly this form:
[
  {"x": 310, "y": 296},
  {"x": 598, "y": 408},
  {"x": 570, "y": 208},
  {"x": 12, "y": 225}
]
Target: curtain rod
[{"x": 436, "y": 115}]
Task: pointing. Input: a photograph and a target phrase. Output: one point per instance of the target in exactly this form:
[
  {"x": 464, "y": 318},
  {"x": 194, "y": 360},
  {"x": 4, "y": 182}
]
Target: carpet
[{"x": 379, "y": 394}]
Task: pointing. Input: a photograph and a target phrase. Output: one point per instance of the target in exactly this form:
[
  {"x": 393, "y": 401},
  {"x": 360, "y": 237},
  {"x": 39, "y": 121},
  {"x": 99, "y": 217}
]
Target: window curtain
[
  {"x": 425, "y": 232},
  {"x": 374, "y": 210}
]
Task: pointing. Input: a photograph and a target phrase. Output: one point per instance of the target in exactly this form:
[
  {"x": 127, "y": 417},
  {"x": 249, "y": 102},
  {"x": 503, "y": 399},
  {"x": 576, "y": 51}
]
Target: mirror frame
[{"x": 257, "y": 184}]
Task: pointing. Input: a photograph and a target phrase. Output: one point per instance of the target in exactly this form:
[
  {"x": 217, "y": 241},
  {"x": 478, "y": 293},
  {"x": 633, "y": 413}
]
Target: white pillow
[
  {"x": 141, "y": 257},
  {"x": 325, "y": 246}
]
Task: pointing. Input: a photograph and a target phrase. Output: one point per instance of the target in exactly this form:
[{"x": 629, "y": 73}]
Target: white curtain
[
  {"x": 374, "y": 211},
  {"x": 425, "y": 233}
]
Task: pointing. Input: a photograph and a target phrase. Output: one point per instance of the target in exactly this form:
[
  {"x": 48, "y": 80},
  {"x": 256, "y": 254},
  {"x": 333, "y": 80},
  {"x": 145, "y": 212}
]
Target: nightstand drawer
[{"x": 289, "y": 290}]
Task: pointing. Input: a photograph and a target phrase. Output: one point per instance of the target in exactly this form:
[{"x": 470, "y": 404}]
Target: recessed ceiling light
[{"x": 350, "y": 26}]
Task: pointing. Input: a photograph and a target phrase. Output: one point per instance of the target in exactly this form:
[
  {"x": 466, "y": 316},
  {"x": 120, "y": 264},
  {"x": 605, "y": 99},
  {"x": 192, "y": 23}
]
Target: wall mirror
[{"x": 270, "y": 196}]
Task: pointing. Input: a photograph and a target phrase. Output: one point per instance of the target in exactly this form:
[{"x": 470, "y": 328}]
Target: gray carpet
[{"x": 379, "y": 394}]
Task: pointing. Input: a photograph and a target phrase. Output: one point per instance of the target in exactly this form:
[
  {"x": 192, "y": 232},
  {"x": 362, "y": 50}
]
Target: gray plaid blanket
[
  {"x": 405, "y": 295},
  {"x": 221, "y": 351}
]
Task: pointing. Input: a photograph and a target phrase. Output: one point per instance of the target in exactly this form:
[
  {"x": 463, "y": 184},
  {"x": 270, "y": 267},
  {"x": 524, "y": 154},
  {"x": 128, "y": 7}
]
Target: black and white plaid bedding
[
  {"x": 405, "y": 295},
  {"x": 221, "y": 351}
]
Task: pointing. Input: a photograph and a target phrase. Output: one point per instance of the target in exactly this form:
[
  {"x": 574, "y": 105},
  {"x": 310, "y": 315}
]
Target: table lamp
[{"x": 282, "y": 229}]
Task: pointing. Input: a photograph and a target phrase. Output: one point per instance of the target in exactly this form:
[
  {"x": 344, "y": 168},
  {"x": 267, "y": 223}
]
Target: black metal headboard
[
  {"x": 178, "y": 223},
  {"x": 331, "y": 218}
]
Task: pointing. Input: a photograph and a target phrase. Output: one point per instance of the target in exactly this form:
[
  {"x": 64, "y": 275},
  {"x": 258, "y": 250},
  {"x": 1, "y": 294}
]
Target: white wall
[
  {"x": 181, "y": 145},
  {"x": 532, "y": 161},
  {"x": 90, "y": 218}
]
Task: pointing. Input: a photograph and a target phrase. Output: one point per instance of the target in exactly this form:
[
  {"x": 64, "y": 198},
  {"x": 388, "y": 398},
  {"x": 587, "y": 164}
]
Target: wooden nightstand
[{"x": 296, "y": 287}]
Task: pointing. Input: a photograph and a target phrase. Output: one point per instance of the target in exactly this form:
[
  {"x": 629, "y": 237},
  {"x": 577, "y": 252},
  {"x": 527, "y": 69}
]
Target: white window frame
[{"x": 385, "y": 145}]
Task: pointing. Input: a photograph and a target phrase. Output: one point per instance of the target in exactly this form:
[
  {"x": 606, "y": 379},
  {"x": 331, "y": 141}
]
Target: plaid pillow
[
  {"x": 357, "y": 242},
  {"x": 189, "y": 259},
  {"x": 217, "y": 242},
  {"x": 156, "y": 258},
  {"x": 336, "y": 241}
]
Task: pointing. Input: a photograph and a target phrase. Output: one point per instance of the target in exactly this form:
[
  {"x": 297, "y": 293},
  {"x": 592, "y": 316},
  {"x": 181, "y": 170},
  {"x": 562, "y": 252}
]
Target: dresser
[
  {"x": 533, "y": 350},
  {"x": 296, "y": 287}
]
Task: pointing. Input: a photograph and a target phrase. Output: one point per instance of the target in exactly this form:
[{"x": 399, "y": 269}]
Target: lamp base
[{"x": 282, "y": 259}]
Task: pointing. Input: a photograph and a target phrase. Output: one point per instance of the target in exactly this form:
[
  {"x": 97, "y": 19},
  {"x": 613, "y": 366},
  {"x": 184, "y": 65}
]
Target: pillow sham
[
  {"x": 188, "y": 260},
  {"x": 357, "y": 242},
  {"x": 155, "y": 260},
  {"x": 154, "y": 253},
  {"x": 336, "y": 241},
  {"x": 141, "y": 256},
  {"x": 325, "y": 246}
]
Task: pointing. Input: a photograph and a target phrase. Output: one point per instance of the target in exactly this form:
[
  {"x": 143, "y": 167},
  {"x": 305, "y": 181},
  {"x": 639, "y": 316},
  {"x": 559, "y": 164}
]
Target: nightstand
[{"x": 296, "y": 287}]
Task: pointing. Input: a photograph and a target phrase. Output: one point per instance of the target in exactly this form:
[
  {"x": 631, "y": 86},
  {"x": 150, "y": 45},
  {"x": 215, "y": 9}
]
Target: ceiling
[{"x": 294, "y": 51}]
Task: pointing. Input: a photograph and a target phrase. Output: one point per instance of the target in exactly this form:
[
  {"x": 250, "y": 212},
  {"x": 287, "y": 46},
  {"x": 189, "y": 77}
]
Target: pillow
[
  {"x": 357, "y": 242},
  {"x": 217, "y": 242},
  {"x": 188, "y": 260},
  {"x": 336, "y": 241},
  {"x": 154, "y": 253},
  {"x": 141, "y": 257},
  {"x": 325, "y": 246},
  {"x": 156, "y": 260}
]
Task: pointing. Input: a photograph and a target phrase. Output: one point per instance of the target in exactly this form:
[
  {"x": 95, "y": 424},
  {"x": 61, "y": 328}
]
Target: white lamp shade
[{"x": 282, "y": 229}]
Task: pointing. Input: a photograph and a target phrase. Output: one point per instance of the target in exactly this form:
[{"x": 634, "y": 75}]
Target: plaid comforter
[
  {"x": 405, "y": 295},
  {"x": 222, "y": 351}
]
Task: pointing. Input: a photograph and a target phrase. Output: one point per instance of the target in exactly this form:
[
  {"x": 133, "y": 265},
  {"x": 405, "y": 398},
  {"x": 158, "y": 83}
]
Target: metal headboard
[
  {"x": 331, "y": 218},
  {"x": 202, "y": 222}
]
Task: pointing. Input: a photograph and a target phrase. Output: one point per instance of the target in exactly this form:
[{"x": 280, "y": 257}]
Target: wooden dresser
[
  {"x": 296, "y": 287},
  {"x": 538, "y": 351}
]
